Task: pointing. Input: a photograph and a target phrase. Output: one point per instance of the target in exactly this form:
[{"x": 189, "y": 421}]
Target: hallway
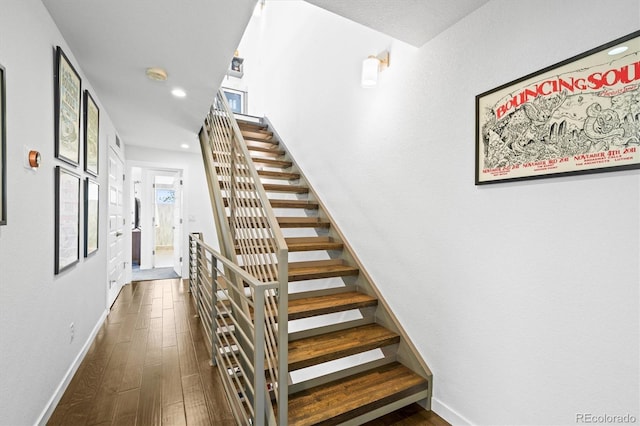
[{"x": 149, "y": 365}]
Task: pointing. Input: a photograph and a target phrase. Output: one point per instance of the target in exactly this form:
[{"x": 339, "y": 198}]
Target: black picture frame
[
  {"x": 67, "y": 219},
  {"x": 579, "y": 116},
  {"x": 91, "y": 216},
  {"x": 3, "y": 148},
  {"x": 68, "y": 106},
  {"x": 236, "y": 68},
  {"x": 91, "y": 135}
]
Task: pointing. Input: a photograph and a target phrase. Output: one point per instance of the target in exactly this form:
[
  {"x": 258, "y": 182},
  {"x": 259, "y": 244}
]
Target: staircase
[{"x": 348, "y": 360}]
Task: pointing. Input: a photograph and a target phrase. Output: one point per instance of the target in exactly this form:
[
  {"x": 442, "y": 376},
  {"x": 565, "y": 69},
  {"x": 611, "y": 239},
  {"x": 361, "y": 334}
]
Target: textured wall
[
  {"x": 522, "y": 297},
  {"x": 36, "y": 306}
]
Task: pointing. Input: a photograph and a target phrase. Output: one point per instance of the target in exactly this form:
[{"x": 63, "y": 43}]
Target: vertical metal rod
[
  {"x": 259, "y": 376},
  {"x": 191, "y": 275},
  {"x": 198, "y": 278},
  {"x": 283, "y": 337},
  {"x": 214, "y": 306}
]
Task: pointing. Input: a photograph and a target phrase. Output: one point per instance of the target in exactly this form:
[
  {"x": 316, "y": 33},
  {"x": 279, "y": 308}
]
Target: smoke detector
[{"x": 156, "y": 74}]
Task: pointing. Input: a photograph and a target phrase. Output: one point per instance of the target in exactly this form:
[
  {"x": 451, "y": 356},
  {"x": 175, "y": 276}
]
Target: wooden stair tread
[
  {"x": 344, "y": 399},
  {"x": 303, "y": 222},
  {"x": 276, "y": 187},
  {"x": 338, "y": 344},
  {"x": 250, "y": 125},
  {"x": 274, "y": 151},
  {"x": 283, "y": 222},
  {"x": 273, "y": 163},
  {"x": 298, "y": 244},
  {"x": 312, "y": 244},
  {"x": 326, "y": 304},
  {"x": 245, "y": 184},
  {"x": 256, "y": 134},
  {"x": 284, "y": 204},
  {"x": 294, "y": 204},
  {"x": 317, "y": 269},
  {"x": 278, "y": 175}
]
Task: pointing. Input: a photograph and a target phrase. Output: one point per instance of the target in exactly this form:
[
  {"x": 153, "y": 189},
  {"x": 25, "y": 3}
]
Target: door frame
[
  {"x": 129, "y": 196},
  {"x": 111, "y": 293}
]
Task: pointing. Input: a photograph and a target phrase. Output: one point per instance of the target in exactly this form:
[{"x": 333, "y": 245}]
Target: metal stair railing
[
  {"x": 238, "y": 353},
  {"x": 252, "y": 241}
]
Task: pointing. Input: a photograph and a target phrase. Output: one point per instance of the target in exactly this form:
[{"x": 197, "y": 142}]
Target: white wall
[
  {"x": 36, "y": 306},
  {"x": 522, "y": 297},
  {"x": 196, "y": 205}
]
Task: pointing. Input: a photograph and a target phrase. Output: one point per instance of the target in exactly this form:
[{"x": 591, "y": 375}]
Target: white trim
[
  {"x": 57, "y": 395},
  {"x": 448, "y": 414}
]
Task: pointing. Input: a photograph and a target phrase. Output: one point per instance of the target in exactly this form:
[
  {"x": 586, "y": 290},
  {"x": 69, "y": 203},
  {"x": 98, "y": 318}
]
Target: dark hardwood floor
[{"x": 149, "y": 365}]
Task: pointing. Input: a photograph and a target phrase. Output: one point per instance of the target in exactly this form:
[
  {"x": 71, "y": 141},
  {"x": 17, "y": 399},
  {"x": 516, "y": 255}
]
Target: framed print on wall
[
  {"x": 3, "y": 151},
  {"x": 67, "y": 207},
  {"x": 579, "y": 116},
  {"x": 91, "y": 215},
  {"x": 91, "y": 134},
  {"x": 67, "y": 110}
]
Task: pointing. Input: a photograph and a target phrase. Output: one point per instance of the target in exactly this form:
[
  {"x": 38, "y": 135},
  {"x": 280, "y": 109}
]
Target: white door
[
  {"x": 116, "y": 261},
  {"x": 177, "y": 225}
]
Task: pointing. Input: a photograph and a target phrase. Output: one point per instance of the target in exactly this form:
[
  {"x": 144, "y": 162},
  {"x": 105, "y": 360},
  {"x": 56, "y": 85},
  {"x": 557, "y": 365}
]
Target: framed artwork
[
  {"x": 67, "y": 110},
  {"x": 236, "y": 69},
  {"x": 67, "y": 235},
  {"x": 91, "y": 216},
  {"x": 3, "y": 150},
  {"x": 91, "y": 134},
  {"x": 236, "y": 99},
  {"x": 579, "y": 116}
]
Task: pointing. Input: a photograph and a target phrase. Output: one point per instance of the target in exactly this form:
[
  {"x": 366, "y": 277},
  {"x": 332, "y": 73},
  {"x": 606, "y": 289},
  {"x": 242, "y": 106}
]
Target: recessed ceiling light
[
  {"x": 184, "y": 146},
  {"x": 618, "y": 50},
  {"x": 178, "y": 93},
  {"x": 156, "y": 74}
]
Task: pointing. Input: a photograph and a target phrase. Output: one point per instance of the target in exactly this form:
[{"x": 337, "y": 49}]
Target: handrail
[
  {"x": 249, "y": 235},
  {"x": 240, "y": 357}
]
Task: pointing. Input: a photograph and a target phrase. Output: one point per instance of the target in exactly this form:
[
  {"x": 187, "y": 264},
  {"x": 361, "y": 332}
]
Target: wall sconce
[{"x": 372, "y": 66}]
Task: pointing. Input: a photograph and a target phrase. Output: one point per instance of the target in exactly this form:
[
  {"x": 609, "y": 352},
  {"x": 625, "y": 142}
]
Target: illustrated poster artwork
[
  {"x": 69, "y": 111},
  {"x": 579, "y": 117}
]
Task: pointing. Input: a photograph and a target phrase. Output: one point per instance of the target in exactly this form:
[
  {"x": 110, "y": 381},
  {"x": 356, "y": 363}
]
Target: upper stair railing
[{"x": 250, "y": 237}]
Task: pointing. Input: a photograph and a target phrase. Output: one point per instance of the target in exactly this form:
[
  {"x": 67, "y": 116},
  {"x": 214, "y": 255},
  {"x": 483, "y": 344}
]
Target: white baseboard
[
  {"x": 448, "y": 414},
  {"x": 57, "y": 395}
]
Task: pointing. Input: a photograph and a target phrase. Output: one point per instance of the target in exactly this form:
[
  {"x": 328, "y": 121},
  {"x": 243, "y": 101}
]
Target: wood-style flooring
[{"x": 149, "y": 365}]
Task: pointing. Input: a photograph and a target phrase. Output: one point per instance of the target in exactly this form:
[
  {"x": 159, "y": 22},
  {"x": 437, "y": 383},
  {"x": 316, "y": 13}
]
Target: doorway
[{"x": 156, "y": 223}]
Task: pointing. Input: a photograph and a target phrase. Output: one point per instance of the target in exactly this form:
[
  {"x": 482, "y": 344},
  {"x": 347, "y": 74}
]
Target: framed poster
[
  {"x": 579, "y": 116},
  {"x": 67, "y": 250},
  {"x": 67, "y": 110},
  {"x": 3, "y": 150},
  {"x": 91, "y": 134},
  {"x": 91, "y": 216}
]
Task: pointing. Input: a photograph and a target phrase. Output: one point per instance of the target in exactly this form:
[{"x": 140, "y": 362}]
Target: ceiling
[
  {"x": 412, "y": 21},
  {"x": 115, "y": 41}
]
